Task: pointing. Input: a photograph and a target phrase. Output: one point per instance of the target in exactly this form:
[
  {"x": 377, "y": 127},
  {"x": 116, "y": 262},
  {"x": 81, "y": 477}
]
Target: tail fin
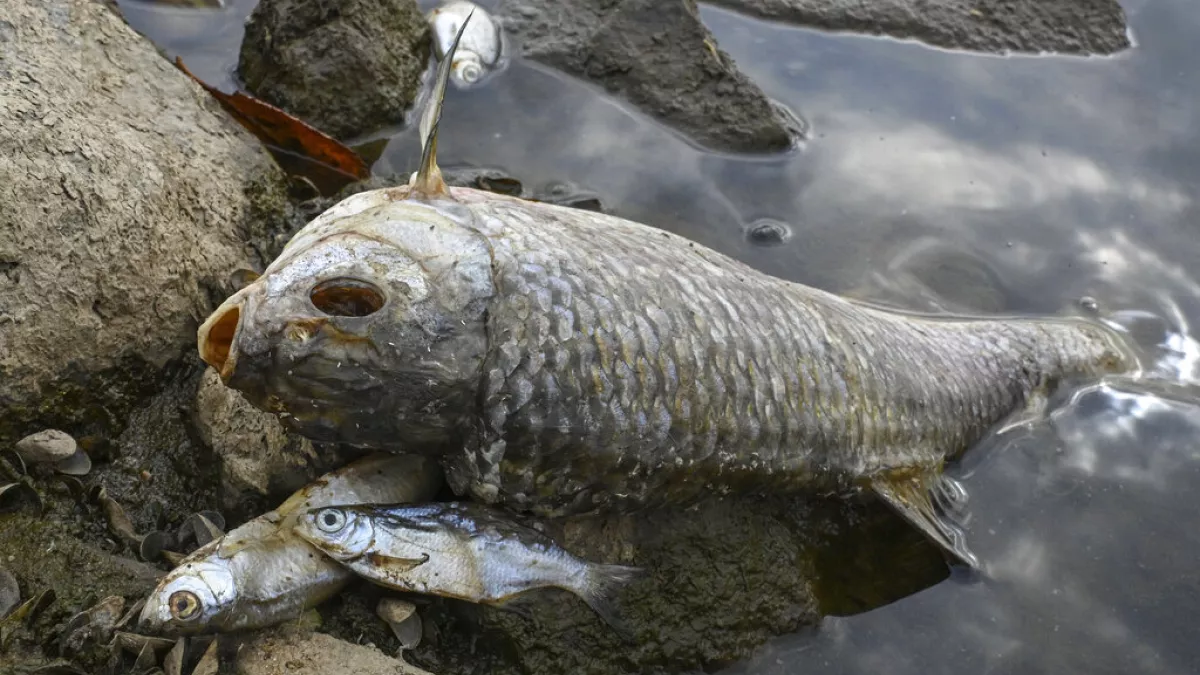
[{"x": 600, "y": 588}]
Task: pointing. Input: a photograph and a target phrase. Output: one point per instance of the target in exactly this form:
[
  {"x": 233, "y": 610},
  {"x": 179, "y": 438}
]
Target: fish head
[
  {"x": 339, "y": 532},
  {"x": 368, "y": 329},
  {"x": 192, "y": 598}
]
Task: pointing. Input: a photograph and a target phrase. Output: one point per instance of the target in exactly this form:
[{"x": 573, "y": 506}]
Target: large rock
[
  {"x": 129, "y": 196},
  {"x": 1066, "y": 26},
  {"x": 347, "y": 67},
  {"x": 657, "y": 55}
]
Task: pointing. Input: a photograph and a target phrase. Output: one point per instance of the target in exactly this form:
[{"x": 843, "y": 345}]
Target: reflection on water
[{"x": 935, "y": 181}]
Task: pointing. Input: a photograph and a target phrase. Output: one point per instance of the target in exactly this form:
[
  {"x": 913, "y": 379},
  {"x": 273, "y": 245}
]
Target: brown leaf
[{"x": 283, "y": 133}]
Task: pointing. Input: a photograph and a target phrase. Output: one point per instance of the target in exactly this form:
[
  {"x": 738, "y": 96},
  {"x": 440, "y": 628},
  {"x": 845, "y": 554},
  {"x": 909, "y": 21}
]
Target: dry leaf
[{"x": 290, "y": 139}]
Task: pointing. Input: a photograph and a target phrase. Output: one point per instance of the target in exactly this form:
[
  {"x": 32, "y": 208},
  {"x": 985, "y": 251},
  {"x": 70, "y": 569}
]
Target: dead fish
[
  {"x": 261, "y": 574},
  {"x": 458, "y": 550},
  {"x": 480, "y": 47},
  {"x": 559, "y": 361}
]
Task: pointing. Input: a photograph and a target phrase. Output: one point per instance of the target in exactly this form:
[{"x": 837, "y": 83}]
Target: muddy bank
[
  {"x": 1066, "y": 26},
  {"x": 129, "y": 198}
]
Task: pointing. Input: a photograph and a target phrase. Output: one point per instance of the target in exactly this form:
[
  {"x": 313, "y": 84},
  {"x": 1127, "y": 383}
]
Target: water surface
[{"x": 935, "y": 180}]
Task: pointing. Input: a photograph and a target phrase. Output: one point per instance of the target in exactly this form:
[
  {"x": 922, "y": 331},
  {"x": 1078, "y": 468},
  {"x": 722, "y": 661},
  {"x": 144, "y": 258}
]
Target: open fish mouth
[{"x": 216, "y": 337}]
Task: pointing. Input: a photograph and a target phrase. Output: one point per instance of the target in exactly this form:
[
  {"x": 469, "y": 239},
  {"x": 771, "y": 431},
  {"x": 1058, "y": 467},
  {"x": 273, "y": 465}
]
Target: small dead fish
[
  {"x": 261, "y": 574},
  {"x": 479, "y": 48},
  {"x": 458, "y": 550}
]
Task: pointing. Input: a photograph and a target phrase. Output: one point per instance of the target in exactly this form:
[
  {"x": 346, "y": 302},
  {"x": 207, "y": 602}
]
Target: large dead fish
[
  {"x": 562, "y": 361},
  {"x": 261, "y": 574}
]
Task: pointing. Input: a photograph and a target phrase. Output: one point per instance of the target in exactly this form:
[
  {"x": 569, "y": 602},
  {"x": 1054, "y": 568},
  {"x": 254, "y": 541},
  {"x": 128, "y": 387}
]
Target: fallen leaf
[{"x": 286, "y": 135}]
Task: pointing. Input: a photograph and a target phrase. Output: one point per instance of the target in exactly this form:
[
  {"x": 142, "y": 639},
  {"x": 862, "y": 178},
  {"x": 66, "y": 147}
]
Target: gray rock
[
  {"x": 296, "y": 652},
  {"x": 256, "y": 454},
  {"x": 1065, "y": 26},
  {"x": 347, "y": 67},
  {"x": 657, "y": 55},
  {"x": 49, "y": 445},
  {"x": 129, "y": 195}
]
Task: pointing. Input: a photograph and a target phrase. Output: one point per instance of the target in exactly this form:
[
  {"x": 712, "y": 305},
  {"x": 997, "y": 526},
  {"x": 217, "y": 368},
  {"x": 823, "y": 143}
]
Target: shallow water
[{"x": 935, "y": 180}]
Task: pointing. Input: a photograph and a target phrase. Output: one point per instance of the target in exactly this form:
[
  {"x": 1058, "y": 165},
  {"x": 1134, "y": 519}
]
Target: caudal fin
[{"x": 600, "y": 589}]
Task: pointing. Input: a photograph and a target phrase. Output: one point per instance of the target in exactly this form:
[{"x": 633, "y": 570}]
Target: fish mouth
[{"x": 216, "y": 335}]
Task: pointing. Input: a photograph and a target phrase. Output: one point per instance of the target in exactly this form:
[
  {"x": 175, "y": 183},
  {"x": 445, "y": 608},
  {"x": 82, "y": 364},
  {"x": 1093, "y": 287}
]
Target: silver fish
[
  {"x": 480, "y": 47},
  {"x": 261, "y": 574},
  {"x": 458, "y": 550},
  {"x": 560, "y": 361}
]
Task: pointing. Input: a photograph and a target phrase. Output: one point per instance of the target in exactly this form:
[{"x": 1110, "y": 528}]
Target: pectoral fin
[
  {"x": 913, "y": 496},
  {"x": 396, "y": 565}
]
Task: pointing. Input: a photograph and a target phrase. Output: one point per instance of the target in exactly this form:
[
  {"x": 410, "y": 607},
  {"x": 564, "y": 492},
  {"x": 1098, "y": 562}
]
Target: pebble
[{"x": 50, "y": 445}]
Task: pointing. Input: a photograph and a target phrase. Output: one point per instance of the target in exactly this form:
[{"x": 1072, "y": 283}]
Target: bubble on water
[
  {"x": 768, "y": 232},
  {"x": 1088, "y": 304}
]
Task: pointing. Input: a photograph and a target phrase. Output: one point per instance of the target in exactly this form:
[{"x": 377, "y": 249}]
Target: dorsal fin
[{"x": 428, "y": 181}]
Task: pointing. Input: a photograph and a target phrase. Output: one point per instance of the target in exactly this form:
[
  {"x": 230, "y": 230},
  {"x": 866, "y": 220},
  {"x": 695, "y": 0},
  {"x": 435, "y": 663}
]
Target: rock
[
  {"x": 347, "y": 67},
  {"x": 129, "y": 195},
  {"x": 50, "y": 445},
  {"x": 657, "y": 55},
  {"x": 1065, "y": 26},
  {"x": 291, "y": 652},
  {"x": 255, "y": 452}
]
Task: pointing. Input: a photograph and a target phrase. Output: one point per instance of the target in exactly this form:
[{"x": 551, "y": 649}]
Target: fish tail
[{"x": 600, "y": 587}]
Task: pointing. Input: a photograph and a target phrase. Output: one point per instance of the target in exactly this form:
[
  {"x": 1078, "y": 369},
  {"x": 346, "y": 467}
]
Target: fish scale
[{"x": 869, "y": 390}]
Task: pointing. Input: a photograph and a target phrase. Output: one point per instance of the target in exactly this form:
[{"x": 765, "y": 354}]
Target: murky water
[{"x": 936, "y": 180}]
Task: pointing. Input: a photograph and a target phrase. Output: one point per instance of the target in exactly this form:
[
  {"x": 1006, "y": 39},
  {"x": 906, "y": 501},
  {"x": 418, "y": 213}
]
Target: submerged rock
[
  {"x": 128, "y": 194},
  {"x": 657, "y": 55},
  {"x": 1066, "y": 26},
  {"x": 347, "y": 67}
]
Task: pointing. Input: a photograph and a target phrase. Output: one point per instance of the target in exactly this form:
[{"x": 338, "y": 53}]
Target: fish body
[
  {"x": 561, "y": 361},
  {"x": 480, "y": 48},
  {"x": 261, "y": 573},
  {"x": 458, "y": 550}
]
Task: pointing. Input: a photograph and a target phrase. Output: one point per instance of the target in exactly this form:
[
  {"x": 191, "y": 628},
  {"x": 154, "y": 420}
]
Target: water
[{"x": 936, "y": 180}]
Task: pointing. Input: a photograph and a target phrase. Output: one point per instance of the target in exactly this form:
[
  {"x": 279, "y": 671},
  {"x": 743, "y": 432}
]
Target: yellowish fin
[
  {"x": 428, "y": 181},
  {"x": 913, "y": 496}
]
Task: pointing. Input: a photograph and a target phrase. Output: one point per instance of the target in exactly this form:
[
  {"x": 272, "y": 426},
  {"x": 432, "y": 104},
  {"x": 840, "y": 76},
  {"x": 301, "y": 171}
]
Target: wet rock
[
  {"x": 657, "y": 55},
  {"x": 256, "y": 453},
  {"x": 128, "y": 192},
  {"x": 50, "y": 445},
  {"x": 347, "y": 67},
  {"x": 293, "y": 652},
  {"x": 1066, "y": 26}
]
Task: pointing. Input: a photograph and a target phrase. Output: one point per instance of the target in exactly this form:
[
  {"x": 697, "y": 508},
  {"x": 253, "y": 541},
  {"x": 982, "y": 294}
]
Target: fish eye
[
  {"x": 184, "y": 605},
  {"x": 331, "y": 520},
  {"x": 346, "y": 297}
]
